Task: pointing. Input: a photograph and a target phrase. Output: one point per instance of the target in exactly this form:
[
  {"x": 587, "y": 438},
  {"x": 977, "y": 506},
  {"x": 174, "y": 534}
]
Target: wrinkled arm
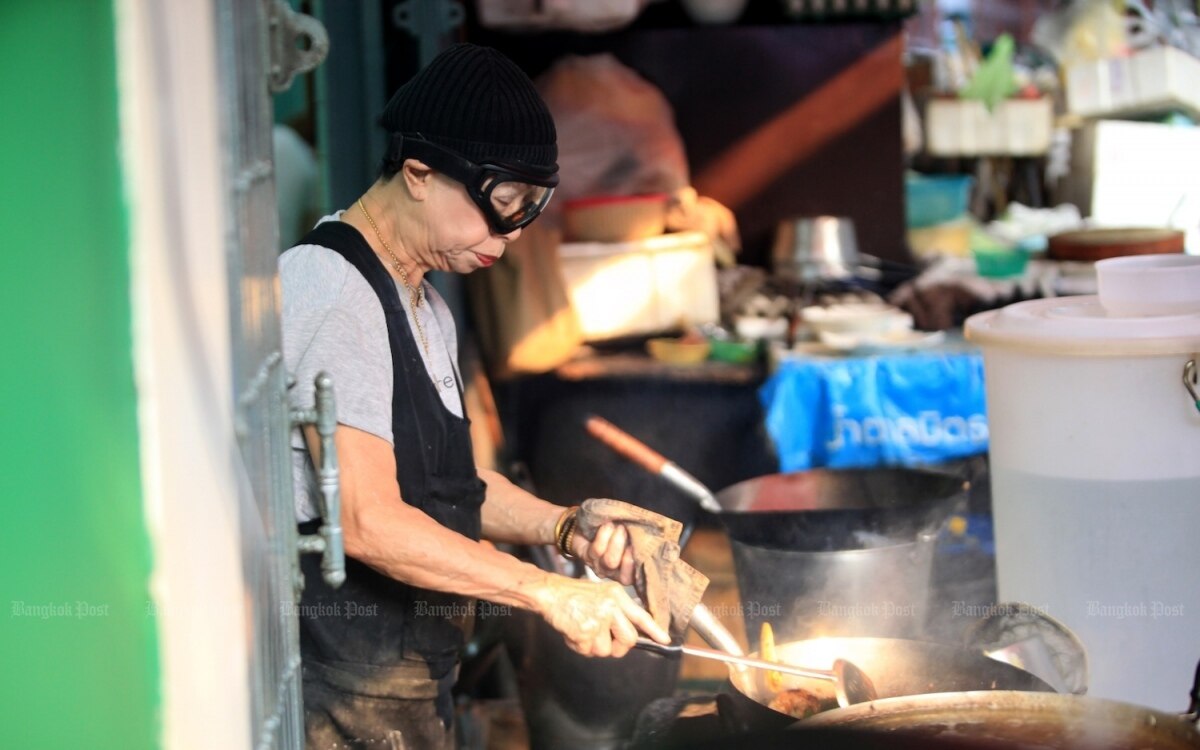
[
  {"x": 510, "y": 514},
  {"x": 404, "y": 543}
]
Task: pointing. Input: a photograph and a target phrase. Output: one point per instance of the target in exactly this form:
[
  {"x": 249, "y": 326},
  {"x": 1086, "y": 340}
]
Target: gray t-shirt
[{"x": 333, "y": 322}]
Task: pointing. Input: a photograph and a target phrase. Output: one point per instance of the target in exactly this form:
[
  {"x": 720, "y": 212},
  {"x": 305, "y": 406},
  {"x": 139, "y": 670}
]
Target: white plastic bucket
[{"x": 1095, "y": 459}]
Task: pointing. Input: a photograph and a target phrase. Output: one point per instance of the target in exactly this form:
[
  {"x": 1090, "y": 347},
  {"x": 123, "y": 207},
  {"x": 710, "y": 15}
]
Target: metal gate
[{"x": 259, "y": 49}]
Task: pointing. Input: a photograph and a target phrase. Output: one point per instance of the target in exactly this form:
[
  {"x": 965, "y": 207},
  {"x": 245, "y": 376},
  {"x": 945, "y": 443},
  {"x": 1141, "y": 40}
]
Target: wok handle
[
  {"x": 625, "y": 444},
  {"x": 646, "y": 644},
  {"x": 648, "y": 458},
  {"x": 740, "y": 661}
]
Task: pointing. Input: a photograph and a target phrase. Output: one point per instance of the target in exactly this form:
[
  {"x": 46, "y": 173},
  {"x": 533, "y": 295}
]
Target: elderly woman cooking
[{"x": 471, "y": 160}]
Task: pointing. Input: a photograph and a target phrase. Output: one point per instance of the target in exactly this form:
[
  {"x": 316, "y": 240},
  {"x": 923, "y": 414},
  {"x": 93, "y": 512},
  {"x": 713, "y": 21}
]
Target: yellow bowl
[{"x": 678, "y": 351}]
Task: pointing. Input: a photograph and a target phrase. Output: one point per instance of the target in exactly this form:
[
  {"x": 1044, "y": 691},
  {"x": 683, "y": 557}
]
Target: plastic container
[
  {"x": 1152, "y": 81},
  {"x": 642, "y": 287},
  {"x": 1016, "y": 127},
  {"x": 934, "y": 199},
  {"x": 678, "y": 351},
  {"x": 736, "y": 352},
  {"x": 948, "y": 238},
  {"x": 1095, "y": 463},
  {"x": 1146, "y": 286},
  {"x": 1000, "y": 263}
]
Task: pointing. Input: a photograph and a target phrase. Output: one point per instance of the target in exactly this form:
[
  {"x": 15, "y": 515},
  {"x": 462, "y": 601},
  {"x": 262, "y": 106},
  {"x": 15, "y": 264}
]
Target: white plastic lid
[
  {"x": 1148, "y": 305},
  {"x": 1080, "y": 326}
]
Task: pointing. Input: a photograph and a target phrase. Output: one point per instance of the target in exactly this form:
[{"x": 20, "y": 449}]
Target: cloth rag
[{"x": 669, "y": 586}]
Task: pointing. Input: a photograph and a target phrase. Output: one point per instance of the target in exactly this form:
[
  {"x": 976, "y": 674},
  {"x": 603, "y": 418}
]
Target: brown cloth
[{"x": 669, "y": 586}]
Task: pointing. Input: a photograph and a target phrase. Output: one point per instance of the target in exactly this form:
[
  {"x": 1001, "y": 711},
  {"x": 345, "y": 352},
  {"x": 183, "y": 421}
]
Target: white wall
[{"x": 171, "y": 153}]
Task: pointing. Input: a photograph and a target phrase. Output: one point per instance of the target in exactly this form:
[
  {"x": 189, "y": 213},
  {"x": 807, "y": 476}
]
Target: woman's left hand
[{"x": 609, "y": 553}]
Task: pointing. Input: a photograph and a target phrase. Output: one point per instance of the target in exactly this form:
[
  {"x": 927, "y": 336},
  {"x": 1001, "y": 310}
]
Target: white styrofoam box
[
  {"x": 1166, "y": 77},
  {"x": 643, "y": 286},
  {"x": 1143, "y": 174},
  {"x": 1152, "y": 80},
  {"x": 962, "y": 127},
  {"x": 1100, "y": 86}
]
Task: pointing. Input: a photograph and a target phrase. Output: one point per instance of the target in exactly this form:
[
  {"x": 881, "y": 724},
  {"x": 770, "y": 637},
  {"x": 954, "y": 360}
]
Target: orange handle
[{"x": 625, "y": 444}]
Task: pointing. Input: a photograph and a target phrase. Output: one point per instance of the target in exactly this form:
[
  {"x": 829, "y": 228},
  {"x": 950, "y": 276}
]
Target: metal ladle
[{"x": 850, "y": 684}]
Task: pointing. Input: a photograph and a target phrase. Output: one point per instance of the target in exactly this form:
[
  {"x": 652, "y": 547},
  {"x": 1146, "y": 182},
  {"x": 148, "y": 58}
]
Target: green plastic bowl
[
  {"x": 737, "y": 352},
  {"x": 1000, "y": 263}
]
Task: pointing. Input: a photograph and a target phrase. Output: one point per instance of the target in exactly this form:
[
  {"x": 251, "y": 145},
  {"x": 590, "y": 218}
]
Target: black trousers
[{"x": 364, "y": 708}]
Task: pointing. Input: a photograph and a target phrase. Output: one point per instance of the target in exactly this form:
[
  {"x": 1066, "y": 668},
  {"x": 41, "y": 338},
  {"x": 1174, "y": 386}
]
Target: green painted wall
[{"x": 78, "y": 652}]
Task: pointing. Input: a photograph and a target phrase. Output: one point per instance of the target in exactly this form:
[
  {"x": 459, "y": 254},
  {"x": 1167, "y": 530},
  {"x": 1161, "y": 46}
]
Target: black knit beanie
[{"x": 476, "y": 102}]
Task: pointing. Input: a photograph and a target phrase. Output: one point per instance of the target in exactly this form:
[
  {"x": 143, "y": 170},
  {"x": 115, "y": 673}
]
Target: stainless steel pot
[
  {"x": 822, "y": 552},
  {"x": 837, "y": 552},
  {"x": 815, "y": 248}
]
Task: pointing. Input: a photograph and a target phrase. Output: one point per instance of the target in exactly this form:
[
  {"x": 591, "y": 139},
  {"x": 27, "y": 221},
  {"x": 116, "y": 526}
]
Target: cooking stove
[{"x": 714, "y": 721}]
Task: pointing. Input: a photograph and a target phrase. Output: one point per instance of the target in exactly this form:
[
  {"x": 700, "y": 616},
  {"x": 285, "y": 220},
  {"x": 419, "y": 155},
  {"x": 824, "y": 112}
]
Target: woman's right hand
[{"x": 595, "y": 618}]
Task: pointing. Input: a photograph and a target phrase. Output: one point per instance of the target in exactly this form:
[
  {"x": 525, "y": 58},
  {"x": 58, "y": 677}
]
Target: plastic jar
[{"x": 1095, "y": 460}]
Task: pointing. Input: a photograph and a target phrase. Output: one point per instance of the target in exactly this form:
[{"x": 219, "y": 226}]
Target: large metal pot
[
  {"x": 837, "y": 552},
  {"x": 822, "y": 552}
]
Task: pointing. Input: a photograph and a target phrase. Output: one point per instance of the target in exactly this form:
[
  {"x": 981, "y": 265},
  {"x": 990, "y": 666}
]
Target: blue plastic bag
[{"x": 900, "y": 410}]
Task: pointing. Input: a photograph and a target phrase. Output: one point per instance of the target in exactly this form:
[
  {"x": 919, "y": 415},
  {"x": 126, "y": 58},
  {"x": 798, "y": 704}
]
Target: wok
[
  {"x": 810, "y": 547},
  {"x": 1005, "y": 718},
  {"x": 1002, "y": 718},
  {"x": 897, "y": 666},
  {"x": 839, "y": 507}
]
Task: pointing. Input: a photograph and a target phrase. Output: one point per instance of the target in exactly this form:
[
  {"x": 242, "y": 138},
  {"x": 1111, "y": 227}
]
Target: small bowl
[
  {"x": 754, "y": 328},
  {"x": 860, "y": 318},
  {"x": 737, "y": 352},
  {"x": 1000, "y": 263},
  {"x": 1147, "y": 285},
  {"x": 678, "y": 351}
]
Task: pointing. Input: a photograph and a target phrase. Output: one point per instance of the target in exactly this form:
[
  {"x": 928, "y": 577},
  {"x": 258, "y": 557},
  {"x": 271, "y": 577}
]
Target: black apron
[{"x": 380, "y": 656}]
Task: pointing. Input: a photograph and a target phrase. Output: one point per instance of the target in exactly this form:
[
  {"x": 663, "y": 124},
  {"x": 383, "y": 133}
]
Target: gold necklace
[{"x": 415, "y": 296}]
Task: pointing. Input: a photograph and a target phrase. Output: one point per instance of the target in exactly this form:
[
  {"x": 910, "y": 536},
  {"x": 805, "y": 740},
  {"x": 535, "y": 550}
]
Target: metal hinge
[
  {"x": 328, "y": 539},
  {"x": 298, "y": 44}
]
